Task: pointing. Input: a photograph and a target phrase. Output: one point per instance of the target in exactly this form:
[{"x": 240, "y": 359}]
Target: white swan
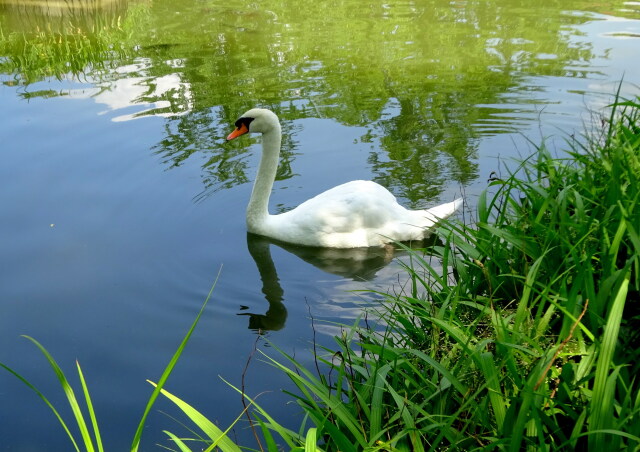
[{"x": 356, "y": 214}]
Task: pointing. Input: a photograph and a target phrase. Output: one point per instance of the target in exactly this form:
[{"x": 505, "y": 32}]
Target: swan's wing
[
  {"x": 345, "y": 208},
  {"x": 355, "y": 214}
]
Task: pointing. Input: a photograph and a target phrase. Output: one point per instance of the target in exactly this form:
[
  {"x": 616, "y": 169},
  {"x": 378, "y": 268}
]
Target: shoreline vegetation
[{"x": 526, "y": 337}]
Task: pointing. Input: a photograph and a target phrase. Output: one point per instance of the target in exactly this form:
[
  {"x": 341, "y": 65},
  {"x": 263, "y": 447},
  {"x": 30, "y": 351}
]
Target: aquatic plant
[
  {"x": 516, "y": 341},
  {"x": 86, "y": 419}
]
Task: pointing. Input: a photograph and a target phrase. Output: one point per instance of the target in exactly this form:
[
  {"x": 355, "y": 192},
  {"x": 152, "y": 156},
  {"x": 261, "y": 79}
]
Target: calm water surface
[{"x": 120, "y": 200}]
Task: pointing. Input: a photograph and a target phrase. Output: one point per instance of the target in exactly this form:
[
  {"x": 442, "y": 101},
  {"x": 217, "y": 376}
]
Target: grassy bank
[
  {"x": 529, "y": 339},
  {"x": 526, "y": 338}
]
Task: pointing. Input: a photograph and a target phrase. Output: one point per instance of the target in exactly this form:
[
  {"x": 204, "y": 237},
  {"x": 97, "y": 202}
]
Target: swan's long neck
[{"x": 258, "y": 208}]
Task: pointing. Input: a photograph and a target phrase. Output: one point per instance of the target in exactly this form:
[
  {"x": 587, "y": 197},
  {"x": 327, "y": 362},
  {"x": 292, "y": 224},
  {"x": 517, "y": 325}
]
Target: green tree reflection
[{"x": 419, "y": 75}]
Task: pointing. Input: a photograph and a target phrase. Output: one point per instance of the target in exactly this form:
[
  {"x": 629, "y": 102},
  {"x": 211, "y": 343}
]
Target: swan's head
[{"x": 256, "y": 120}]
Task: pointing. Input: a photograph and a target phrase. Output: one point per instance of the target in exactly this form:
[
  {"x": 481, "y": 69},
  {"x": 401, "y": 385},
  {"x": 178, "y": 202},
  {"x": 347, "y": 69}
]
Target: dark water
[{"x": 120, "y": 201}]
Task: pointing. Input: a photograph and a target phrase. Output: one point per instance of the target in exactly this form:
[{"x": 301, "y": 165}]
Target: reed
[
  {"x": 524, "y": 338},
  {"x": 85, "y": 416}
]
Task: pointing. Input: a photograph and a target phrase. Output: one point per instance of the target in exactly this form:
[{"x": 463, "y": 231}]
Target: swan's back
[{"x": 352, "y": 215}]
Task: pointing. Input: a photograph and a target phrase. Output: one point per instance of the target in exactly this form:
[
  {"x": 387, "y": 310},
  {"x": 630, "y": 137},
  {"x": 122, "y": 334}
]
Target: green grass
[
  {"x": 90, "y": 439},
  {"x": 526, "y": 338}
]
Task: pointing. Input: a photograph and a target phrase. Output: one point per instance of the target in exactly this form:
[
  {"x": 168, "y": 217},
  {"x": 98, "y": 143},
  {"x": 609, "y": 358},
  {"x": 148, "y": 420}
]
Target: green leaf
[
  {"x": 167, "y": 371},
  {"x": 216, "y": 435},
  {"x": 498, "y": 402},
  {"x": 71, "y": 397},
  {"x": 92, "y": 414},
  {"x": 602, "y": 404},
  {"x": 183, "y": 447},
  {"x": 291, "y": 438},
  {"x": 310, "y": 441},
  {"x": 46, "y": 401}
]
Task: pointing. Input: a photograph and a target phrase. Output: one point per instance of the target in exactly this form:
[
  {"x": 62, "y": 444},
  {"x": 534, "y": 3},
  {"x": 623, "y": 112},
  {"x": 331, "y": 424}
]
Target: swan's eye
[{"x": 245, "y": 121}]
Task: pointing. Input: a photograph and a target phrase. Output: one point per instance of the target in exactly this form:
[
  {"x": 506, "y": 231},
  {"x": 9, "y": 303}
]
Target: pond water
[{"x": 120, "y": 200}]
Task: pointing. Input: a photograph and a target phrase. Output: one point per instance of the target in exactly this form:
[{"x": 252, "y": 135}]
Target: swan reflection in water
[{"x": 358, "y": 264}]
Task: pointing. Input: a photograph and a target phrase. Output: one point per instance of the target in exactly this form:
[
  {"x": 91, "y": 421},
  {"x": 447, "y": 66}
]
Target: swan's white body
[{"x": 356, "y": 214}]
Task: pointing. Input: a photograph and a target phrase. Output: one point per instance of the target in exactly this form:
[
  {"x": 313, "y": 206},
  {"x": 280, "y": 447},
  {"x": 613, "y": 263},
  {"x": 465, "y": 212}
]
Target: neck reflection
[{"x": 358, "y": 264}]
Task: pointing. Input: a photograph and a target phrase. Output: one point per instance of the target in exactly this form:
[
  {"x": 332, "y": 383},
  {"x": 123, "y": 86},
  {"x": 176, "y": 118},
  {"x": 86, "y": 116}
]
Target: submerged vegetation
[{"x": 525, "y": 337}]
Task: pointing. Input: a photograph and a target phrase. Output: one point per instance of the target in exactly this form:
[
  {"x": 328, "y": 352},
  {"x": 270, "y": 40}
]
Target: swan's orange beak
[{"x": 239, "y": 131}]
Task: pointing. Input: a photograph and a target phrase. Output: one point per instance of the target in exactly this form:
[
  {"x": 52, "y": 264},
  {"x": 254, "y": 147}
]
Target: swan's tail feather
[{"x": 444, "y": 210}]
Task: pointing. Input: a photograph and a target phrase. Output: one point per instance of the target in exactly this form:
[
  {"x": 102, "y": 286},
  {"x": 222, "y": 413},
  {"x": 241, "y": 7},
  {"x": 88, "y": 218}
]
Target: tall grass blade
[
  {"x": 272, "y": 446},
  {"x": 178, "y": 442},
  {"x": 498, "y": 403},
  {"x": 92, "y": 414},
  {"x": 310, "y": 441},
  {"x": 601, "y": 405},
  {"x": 306, "y": 380},
  {"x": 71, "y": 397},
  {"x": 167, "y": 371},
  {"x": 46, "y": 401},
  {"x": 218, "y": 437},
  {"x": 291, "y": 438}
]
